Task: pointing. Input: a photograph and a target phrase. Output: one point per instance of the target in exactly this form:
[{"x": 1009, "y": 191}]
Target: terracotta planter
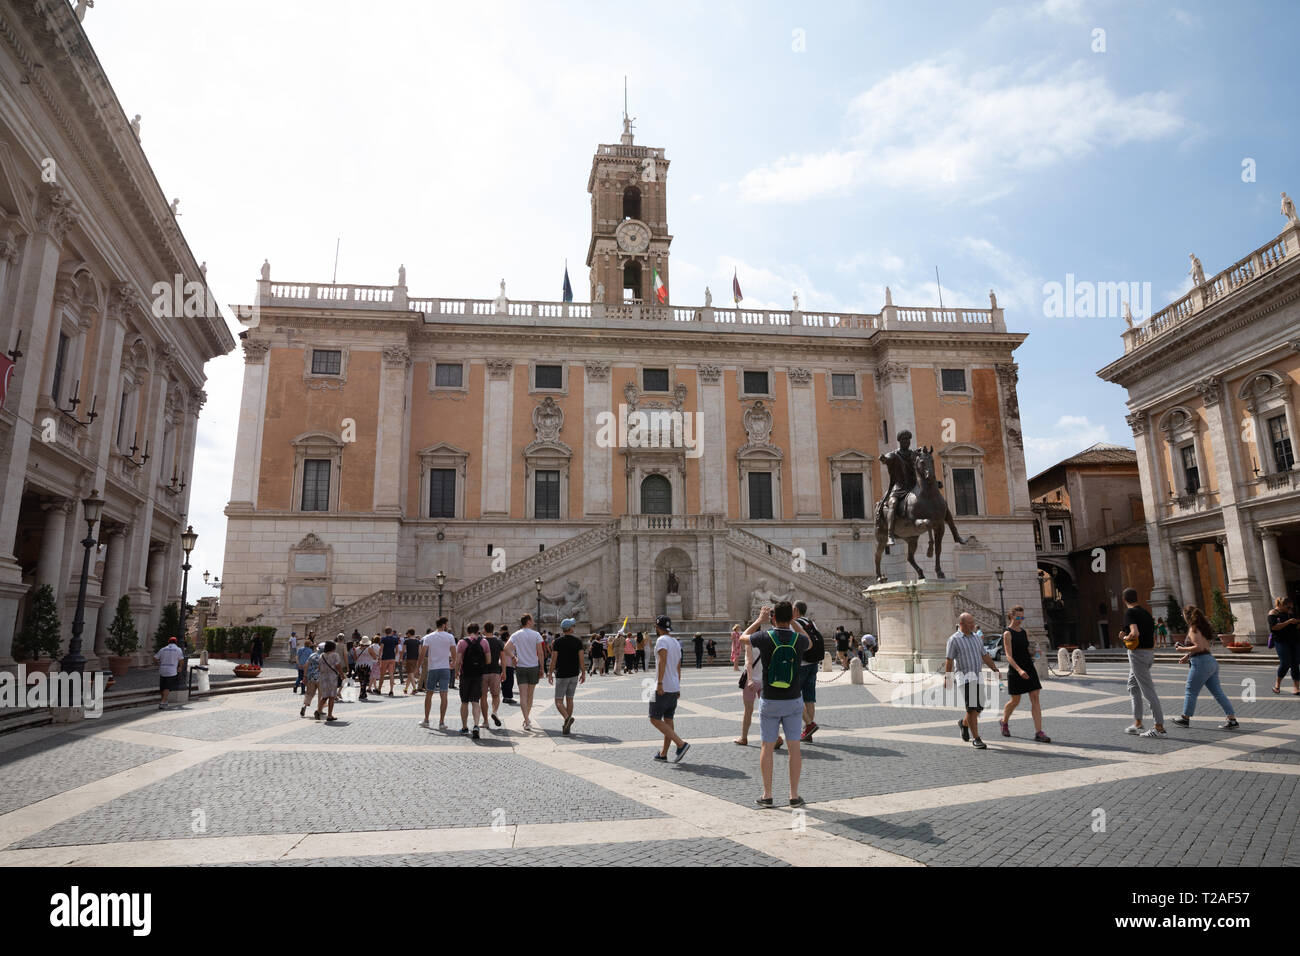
[
  {"x": 119, "y": 665},
  {"x": 1241, "y": 648},
  {"x": 247, "y": 670}
]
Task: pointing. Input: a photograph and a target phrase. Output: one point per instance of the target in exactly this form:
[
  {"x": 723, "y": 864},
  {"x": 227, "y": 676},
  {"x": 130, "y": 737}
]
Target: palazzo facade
[
  {"x": 107, "y": 378},
  {"x": 387, "y": 438}
]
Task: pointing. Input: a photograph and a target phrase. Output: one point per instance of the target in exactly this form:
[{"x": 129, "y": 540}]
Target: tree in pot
[
  {"x": 123, "y": 640},
  {"x": 1222, "y": 619},
  {"x": 169, "y": 626},
  {"x": 1175, "y": 621},
  {"x": 40, "y": 633}
]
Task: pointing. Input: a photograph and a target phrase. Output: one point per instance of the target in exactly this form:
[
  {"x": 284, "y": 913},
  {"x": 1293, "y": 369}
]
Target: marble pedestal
[
  {"x": 915, "y": 619},
  {"x": 673, "y": 607}
]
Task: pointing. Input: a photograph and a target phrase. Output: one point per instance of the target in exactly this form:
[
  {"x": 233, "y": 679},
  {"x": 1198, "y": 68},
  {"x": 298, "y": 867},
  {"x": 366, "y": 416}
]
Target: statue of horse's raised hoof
[{"x": 939, "y": 573}]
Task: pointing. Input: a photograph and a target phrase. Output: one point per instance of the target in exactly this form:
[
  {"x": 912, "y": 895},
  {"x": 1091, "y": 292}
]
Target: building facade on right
[{"x": 1211, "y": 382}]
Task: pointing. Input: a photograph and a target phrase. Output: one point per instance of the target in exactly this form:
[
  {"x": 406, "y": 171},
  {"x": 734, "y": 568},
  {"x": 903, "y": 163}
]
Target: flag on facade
[
  {"x": 6, "y": 373},
  {"x": 735, "y": 288},
  {"x": 661, "y": 290},
  {"x": 568, "y": 289}
]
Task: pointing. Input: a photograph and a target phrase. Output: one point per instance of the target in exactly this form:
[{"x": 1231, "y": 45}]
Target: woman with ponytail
[{"x": 1203, "y": 669}]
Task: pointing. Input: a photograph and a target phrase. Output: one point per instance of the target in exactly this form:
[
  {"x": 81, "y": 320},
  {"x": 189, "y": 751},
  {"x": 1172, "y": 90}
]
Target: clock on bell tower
[{"x": 629, "y": 221}]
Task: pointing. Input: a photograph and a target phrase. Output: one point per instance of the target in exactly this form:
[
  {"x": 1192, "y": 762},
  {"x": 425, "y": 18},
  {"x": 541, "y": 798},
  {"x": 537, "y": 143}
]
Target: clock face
[{"x": 633, "y": 236}]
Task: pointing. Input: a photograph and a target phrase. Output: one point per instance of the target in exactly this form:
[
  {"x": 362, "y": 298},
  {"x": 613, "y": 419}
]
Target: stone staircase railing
[
  {"x": 983, "y": 615},
  {"x": 823, "y": 576}
]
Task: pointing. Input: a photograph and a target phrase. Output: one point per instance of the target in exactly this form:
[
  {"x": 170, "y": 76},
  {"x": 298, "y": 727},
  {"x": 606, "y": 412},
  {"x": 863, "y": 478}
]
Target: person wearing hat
[
  {"x": 362, "y": 668},
  {"x": 668, "y": 688},
  {"x": 169, "y": 658},
  {"x": 566, "y": 669}
]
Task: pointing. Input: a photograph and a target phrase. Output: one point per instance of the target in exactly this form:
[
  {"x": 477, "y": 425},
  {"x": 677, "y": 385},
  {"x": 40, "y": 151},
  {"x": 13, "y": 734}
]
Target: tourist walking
[
  {"x": 735, "y": 647},
  {"x": 409, "y": 654},
  {"x": 1284, "y": 637},
  {"x": 811, "y": 662},
  {"x": 1139, "y": 641},
  {"x": 668, "y": 688},
  {"x": 712, "y": 648},
  {"x": 524, "y": 650},
  {"x": 842, "y": 648},
  {"x": 1022, "y": 676},
  {"x": 1162, "y": 633},
  {"x": 331, "y": 676},
  {"x": 698, "y": 641},
  {"x": 615, "y": 648},
  {"x": 169, "y": 657},
  {"x": 255, "y": 651},
  {"x": 781, "y": 643},
  {"x": 1203, "y": 669},
  {"x": 389, "y": 643},
  {"x": 566, "y": 669},
  {"x": 967, "y": 652},
  {"x": 303, "y": 652},
  {"x": 640, "y": 651},
  {"x": 437, "y": 653},
  {"x": 472, "y": 656},
  {"x": 597, "y": 654},
  {"x": 629, "y": 651},
  {"x": 312, "y": 685},
  {"x": 361, "y": 668},
  {"x": 492, "y": 676},
  {"x": 751, "y": 685}
]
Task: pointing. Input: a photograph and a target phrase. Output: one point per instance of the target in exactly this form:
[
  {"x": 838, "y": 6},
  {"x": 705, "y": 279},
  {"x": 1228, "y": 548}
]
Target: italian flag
[{"x": 661, "y": 290}]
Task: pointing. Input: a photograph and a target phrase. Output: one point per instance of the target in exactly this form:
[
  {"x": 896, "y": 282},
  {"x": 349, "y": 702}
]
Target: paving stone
[{"x": 34, "y": 771}]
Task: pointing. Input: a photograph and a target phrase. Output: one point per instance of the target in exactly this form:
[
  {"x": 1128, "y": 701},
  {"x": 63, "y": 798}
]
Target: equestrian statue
[{"x": 913, "y": 505}]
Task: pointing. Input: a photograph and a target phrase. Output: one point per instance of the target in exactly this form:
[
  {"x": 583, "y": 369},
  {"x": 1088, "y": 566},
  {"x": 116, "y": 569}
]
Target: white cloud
[
  {"x": 1070, "y": 435},
  {"x": 932, "y": 128}
]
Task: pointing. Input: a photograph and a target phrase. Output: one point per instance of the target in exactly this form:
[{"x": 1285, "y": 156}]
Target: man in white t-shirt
[
  {"x": 668, "y": 688},
  {"x": 168, "y": 658},
  {"x": 437, "y": 652},
  {"x": 524, "y": 653}
]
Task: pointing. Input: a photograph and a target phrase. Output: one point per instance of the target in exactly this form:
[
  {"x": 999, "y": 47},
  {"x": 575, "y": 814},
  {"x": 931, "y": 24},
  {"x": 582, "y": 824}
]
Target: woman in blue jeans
[
  {"x": 1203, "y": 669},
  {"x": 1284, "y": 629}
]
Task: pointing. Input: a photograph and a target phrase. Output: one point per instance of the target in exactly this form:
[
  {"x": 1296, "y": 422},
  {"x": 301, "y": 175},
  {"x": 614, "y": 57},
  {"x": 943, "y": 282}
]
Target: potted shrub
[
  {"x": 40, "y": 633},
  {"x": 1221, "y": 618},
  {"x": 123, "y": 641},
  {"x": 168, "y": 626},
  {"x": 1175, "y": 621}
]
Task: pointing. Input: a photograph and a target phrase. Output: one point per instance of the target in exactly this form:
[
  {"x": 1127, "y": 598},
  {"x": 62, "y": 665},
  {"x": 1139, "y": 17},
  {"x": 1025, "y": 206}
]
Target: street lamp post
[
  {"x": 189, "y": 538},
  {"x": 1001, "y": 601},
  {"x": 538, "y": 619},
  {"x": 74, "y": 661},
  {"x": 442, "y": 581}
]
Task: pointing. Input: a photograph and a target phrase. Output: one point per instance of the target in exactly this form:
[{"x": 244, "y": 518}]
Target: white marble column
[
  {"x": 53, "y": 539},
  {"x": 248, "y": 442},
  {"x": 806, "y": 488},
  {"x": 1163, "y": 576},
  {"x": 713, "y": 433},
  {"x": 1273, "y": 565},
  {"x": 111, "y": 588},
  {"x": 597, "y": 462},
  {"x": 1186, "y": 575},
  {"x": 156, "y": 582},
  {"x": 390, "y": 440}
]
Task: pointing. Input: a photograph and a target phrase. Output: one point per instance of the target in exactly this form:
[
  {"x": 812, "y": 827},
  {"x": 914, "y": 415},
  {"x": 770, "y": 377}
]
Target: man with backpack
[
  {"x": 812, "y": 662},
  {"x": 492, "y": 676},
  {"x": 472, "y": 656},
  {"x": 780, "y": 642}
]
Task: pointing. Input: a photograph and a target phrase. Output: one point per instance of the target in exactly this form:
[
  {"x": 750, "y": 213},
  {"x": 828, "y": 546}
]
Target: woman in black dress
[{"x": 1022, "y": 678}]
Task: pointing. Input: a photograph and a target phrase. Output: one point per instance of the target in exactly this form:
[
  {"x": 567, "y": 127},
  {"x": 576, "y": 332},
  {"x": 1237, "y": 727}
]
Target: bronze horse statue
[{"x": 923, "y": 509}]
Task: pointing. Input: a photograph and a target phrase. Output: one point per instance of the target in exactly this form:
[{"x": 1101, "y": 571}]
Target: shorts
[
  {"x": 774, "y": 715},
  {"x": 528, "y": 675},
  {"x": 492, "y": 683},
  {"x": 169, "y": 683},
  {"x": 439, "y": 680},
  {"x": 750, "y": 691},
  {"x": 970, "y": 693},
  {"x": 565, "y": 687},
  {"x": 471, "y": 688},
  {"x": 808, "y": 678},
  {"x": 664, "y": 706},
  {"x": 842, "y": 648}
]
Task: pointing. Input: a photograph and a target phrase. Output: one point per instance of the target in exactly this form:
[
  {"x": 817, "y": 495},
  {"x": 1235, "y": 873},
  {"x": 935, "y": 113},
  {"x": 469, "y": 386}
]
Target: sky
[{"x": 829, "y": 149}]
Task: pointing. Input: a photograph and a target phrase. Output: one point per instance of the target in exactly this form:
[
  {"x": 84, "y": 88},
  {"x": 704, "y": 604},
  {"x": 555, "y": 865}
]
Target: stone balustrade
[{"x": 1216, "y": 288}]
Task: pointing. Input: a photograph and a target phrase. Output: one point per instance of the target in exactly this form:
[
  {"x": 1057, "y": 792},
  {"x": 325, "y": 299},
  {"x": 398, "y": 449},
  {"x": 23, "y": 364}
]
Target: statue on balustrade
[
  {"x": 600, "y": 292},
  {"x": 1288, "y": 209},
  {"x": 913, "y": 505},
  {"x": 1196, "y": 272},
  {"x": 499, "y": 304}
]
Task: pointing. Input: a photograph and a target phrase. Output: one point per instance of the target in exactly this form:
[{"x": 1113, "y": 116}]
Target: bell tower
[{"x": 629, "y": 220}]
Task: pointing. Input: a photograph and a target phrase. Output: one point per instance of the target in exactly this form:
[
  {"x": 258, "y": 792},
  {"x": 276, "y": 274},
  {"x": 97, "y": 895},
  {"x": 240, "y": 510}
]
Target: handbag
[{"x": 1131, "y": 642}]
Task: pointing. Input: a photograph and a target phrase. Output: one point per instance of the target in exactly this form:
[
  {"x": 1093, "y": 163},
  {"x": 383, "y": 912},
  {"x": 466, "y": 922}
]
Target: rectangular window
[
  {"x": 954, "y": 379},
  {"x": 844, "y": 386},
  {"x": 548, "y": 376},
  {"x": 60, "y": 359},
  {"x": 448, "y": 375},
  {"x": 1191, "y": 473},
  {"x": 326, "y": 362},
  {"x": 1056, "y": 534},
  {"x": 654, "y": 379},
  {"x": 755, "y": 383},
  {"x": 760, "y": 493},
  {"x": 963, "y": 487},
  {"x": 442, "y": 492},
  {"x": 1280, "y": 438},
  {"x": 546, "y": 495},
  {"x": 851, "y": 497},
  {"x": 1136, "y": 510},
  {"x": 316, "y": 484}
]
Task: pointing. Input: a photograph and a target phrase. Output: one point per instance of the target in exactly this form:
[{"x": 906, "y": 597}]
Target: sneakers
[
  {"x": 303, "y": 711},
  {"x": 979, "y": 744},
  {"x": 424, "y": 723},
  {"x": 965, "y": 731},
  {"x": 1230, "y": 725},
  {"x": 1133, "y": 729},
  {"x": 681, "y": 752},
  {"x": 465, "y": 730},
  {"x": 809, "y": 731},
  {"x": 1042, "y": 738},
  {"x": 496, "y": 720},
  {"x": 474, "y": 733},
  {"x": 1182, "y": 721},
  {"x": 1153, "y": 733},
  {"x": 661, "y": 757},
  {"x": 568, "y": 723},
  {"x": 798, "y": 802},
  {"x": 764, "y": 802},
  {"x": 1006, "y": 731}
]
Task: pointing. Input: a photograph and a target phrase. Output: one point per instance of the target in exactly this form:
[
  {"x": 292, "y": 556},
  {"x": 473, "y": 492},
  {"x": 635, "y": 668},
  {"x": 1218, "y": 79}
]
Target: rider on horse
[{"x": 902, "y": 479}]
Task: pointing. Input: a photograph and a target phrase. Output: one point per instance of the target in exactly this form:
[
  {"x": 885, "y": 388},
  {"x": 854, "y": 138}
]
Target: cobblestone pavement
[{"x": 243, "y": 780}]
